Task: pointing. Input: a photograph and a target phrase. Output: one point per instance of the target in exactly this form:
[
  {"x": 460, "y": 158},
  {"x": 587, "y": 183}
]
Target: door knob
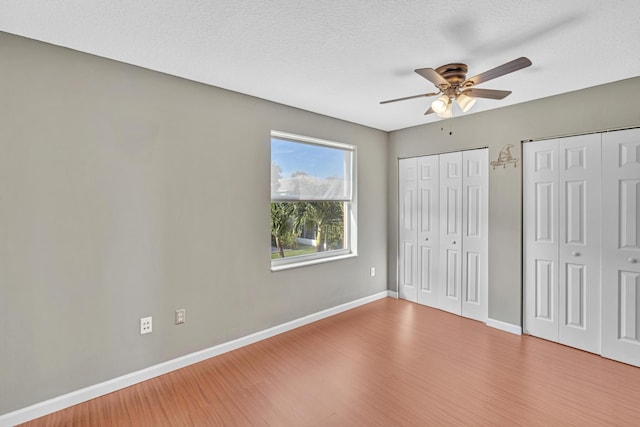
[
  {"x": 633, "y": 260},
  {"x": 575, "y": 253}
]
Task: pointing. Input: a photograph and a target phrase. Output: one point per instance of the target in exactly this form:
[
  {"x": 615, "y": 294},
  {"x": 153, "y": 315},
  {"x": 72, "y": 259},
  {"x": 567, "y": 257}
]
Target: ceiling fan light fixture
[
  {"x": 439, "y": 106},
  {"x": 447, "y": 113},
  {"x": 465, "y": 102}
]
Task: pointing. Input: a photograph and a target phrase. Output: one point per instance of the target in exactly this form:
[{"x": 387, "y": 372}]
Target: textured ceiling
[{"x": 341, "y": 58}]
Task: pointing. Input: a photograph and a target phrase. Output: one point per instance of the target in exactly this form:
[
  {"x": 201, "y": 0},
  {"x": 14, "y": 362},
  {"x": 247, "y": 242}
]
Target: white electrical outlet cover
[
  {"x": 180, "y": 316},
  {"x": 146, "y": 325}
]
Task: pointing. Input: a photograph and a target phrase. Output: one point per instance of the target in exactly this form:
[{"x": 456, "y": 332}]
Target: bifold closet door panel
[
  {"x": 443, "y": 232},
  {"x": 428, "y": 229},
  {"x": 408, "y": 229},
  {"x": 449, "y": 294},
  {"x": 540, "y": 252},
  {"x": 579, "y": 245},
  {"x": 621, "y": 246},
  {"x": 562, "y": 235},
  {"x": 475, "y": 227}
]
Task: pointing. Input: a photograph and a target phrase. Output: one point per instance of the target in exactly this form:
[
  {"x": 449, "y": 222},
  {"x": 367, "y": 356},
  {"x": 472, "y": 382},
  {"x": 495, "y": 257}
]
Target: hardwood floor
[{"x": 387, "y": 363}]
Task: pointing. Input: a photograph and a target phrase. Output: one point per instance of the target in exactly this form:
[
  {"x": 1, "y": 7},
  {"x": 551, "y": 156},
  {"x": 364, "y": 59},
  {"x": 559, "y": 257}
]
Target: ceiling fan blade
[
  {"x": 487, "y": 93},
  {"x": 408, "y": 97},
  {"x": 500, "y": 70},
  {"x": 429, "y": 111},
  {"x": 433, "y": 76}
]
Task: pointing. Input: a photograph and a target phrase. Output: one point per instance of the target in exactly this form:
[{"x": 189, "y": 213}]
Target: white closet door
[
  {"x": 408, "y": 229},
  {"x": 449, "y": 294},
  {"x": 428, "y": 226},
  {"x": 475, "y": 227},
  {"x": 540, "y": 175},
  {"x": 579, "y": 160},
  {"x": 621, "y": 246}
]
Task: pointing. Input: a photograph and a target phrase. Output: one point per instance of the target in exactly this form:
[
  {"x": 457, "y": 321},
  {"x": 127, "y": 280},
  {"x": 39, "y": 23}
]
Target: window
[{"x": 312, "y": 200}]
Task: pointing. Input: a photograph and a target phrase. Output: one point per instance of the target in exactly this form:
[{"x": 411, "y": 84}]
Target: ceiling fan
[{"x": 452, "y": 84}]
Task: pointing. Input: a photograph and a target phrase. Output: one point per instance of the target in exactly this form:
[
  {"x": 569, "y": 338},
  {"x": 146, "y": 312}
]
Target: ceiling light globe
[
  {"x": 465, "y": 102},
  {"x": 447, "y": 113},
  {"x": 440, "y": 105}
]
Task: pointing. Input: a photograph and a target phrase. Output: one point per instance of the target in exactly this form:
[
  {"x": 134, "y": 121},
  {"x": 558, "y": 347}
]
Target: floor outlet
[
  {"x": 145, "y": 325},
  {"x": 180, "y": 316}
]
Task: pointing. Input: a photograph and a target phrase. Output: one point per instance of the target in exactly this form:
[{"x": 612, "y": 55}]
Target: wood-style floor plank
[{"x": 387, "y": 363}]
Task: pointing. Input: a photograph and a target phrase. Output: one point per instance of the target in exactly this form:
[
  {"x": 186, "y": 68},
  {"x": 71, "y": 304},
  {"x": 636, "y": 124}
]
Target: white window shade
[{"x": 304, "y": 170}]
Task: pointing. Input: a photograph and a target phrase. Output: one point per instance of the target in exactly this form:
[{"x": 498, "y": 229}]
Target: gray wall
[
  {"x": 604, "y": 107},
  {"x": 127, "y": 193}
]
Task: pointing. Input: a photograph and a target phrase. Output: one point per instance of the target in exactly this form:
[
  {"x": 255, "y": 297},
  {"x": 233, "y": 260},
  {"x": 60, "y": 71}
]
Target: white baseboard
[
  {"x": 508, "y": 327},
  {"x": 393, "y": 294},
  {"x": 66, "y": 400}
]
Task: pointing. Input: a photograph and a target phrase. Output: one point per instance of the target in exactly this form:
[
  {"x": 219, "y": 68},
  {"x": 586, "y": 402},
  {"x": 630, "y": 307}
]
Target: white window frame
[{"x": 350, "y": 212}]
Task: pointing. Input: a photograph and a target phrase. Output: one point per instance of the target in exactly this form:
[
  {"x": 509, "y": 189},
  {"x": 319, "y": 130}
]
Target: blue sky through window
[{"x": 321, "y": 162}]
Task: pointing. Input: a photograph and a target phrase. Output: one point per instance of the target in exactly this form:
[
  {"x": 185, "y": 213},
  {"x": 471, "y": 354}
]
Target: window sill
[{"x": 304, "y": 263}]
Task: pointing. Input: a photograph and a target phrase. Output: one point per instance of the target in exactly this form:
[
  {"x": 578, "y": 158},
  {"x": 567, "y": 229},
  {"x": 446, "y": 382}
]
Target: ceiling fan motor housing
[{"x": 455, "y": 74}]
